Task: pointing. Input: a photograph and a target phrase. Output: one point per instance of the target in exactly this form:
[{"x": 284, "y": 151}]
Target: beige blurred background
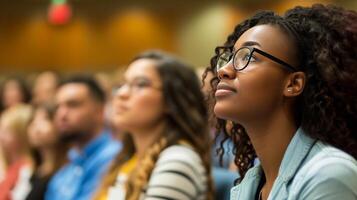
[{"x": 104, "y": 35}]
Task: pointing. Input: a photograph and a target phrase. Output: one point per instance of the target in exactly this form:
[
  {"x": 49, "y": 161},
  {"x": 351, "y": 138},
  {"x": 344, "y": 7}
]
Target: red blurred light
[{"x": 59, "y": 14}]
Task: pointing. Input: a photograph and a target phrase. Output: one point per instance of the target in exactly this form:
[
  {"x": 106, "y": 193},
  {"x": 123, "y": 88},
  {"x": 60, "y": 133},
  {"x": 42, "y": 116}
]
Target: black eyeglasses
[{"x": 243, "y": 56}]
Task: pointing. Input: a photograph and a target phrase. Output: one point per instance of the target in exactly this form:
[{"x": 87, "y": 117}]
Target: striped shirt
[{"x": 178, "y": 174}]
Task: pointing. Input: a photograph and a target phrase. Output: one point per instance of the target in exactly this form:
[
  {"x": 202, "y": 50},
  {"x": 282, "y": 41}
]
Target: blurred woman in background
[
  {"x": 44, "y": 87},
  {"x": 49, "y": 153},
  {"x": 13, "y": 91},
  {"x": 166, "y": 144},
  {"x": 2, "y": 164},
  {"x": 13, "y": 139}
]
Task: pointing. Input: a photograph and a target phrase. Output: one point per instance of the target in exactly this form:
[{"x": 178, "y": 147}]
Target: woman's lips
[
  {"x": 120, "y": 109},
  {"x": 224, "y": 89}
]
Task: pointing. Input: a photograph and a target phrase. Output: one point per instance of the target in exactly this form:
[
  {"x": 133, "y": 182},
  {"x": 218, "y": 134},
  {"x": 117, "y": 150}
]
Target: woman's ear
[{"x": 295, "y": 84}]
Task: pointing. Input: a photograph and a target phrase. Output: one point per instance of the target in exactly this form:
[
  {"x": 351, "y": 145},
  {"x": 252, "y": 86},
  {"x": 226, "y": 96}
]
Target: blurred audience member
[
  {"x": 105, "y": 83},
  {"x": 44, "y": 88},
  {"x": 48, "y": 152},
  {"x": 13, "y": 139},
  {"x": 166, "y": 146},
  {"x": 2, "y": 164},
  {"x": 12, "y": 92},
  {"x": 79, "y": 119}
]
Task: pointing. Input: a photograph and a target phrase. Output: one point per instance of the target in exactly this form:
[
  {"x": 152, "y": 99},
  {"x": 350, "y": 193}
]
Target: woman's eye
[
  {"x": 142, "y": 83},
  {"x": 253, "y": 59},
  {"x": 246, "y": 57}
]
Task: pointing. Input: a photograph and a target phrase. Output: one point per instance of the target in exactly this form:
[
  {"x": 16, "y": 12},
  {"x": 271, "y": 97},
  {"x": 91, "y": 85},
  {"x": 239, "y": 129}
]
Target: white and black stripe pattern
[{"x": 178, "y": 174}]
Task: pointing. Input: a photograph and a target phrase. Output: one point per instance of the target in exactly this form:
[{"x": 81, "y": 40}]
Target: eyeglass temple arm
[{"x": 275, "y": 59}]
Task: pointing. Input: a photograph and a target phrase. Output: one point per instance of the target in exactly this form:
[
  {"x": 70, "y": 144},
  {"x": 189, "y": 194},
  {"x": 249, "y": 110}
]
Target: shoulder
[
  {"x": 110, "y": 146},
  {"x": 110, "y": 150},
  {"x": 181, "y": 158},
  {"x": 330, "y": 170},
  {"x": 105, "y": 153},
  {"x": 179, "y": 152},
  {"x": 330, "y": 161},
  {"x": 178, "y": 172}
]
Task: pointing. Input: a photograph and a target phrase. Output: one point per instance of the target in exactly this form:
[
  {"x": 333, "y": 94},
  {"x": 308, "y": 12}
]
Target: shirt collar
[
  {"x": 298, "y": 149},
  {"x": 76, "y": 155},
  {"x": 295, "y": 154},
  {"x": 249, "y": 185}
]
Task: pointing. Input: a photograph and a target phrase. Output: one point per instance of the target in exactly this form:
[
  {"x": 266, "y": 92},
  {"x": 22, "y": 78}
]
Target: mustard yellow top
[{"x": 118, "y": 189}]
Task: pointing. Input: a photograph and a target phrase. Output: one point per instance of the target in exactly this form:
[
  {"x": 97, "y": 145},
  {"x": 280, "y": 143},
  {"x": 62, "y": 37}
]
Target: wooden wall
[{"x": 107, "y": 34}]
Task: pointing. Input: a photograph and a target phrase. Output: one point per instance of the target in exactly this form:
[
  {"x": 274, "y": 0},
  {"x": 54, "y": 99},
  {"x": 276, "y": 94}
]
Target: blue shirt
[
  {"x": 309, "y": 170},
  {"x": 80, "y": 178}
]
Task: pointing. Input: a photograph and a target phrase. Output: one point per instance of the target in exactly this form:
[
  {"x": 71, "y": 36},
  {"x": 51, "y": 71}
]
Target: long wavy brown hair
[
  {"x": 186, "y": 121},
  {"x": 326, "y": 39}
]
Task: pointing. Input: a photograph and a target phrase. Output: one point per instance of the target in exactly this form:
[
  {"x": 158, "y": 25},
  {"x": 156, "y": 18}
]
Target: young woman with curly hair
[
  {"x": 165, "y": 156},
  {"x": 284, "y": 91}
]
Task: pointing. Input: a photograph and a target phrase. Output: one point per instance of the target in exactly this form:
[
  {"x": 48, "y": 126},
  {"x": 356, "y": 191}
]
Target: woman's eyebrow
[
  {"x": 251, "y": 43},
  {"x": 247, "y": 44},
  {"x": 141, "y": 78}
]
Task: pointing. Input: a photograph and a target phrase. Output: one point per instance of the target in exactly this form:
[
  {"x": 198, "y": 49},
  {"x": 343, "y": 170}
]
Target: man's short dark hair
[{"x": 95, "y": 90}]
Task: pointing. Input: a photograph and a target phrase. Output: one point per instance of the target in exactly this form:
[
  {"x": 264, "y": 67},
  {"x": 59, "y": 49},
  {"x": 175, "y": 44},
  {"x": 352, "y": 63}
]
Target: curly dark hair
[{"x": 326, "y": 40}]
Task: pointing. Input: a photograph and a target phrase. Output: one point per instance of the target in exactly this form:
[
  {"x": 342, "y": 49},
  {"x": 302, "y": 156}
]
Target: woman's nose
[
  {"x": 226, "y": 72},
  {"x": 123, "y": 91}
]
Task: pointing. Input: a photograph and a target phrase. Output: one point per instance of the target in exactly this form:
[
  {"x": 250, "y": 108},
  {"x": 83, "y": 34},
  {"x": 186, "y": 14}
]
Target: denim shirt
[
  {"x": 80, "y": 178},
  {"x": 309, "y": 170}
]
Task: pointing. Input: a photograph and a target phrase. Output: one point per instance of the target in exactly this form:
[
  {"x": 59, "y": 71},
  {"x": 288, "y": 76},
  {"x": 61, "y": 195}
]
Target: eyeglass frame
[
  {"x": 261, "y": 52},
  {"x": 132, "y": 86}
]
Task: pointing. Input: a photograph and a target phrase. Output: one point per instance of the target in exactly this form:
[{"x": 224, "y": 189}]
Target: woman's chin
[
  {"x": 220, "y": 112},
  {"x": 121, "y": 124}
]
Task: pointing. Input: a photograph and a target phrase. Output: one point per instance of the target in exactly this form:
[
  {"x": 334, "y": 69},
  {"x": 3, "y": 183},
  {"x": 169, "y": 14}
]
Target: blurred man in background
[{"x": 79, "y": 119}]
